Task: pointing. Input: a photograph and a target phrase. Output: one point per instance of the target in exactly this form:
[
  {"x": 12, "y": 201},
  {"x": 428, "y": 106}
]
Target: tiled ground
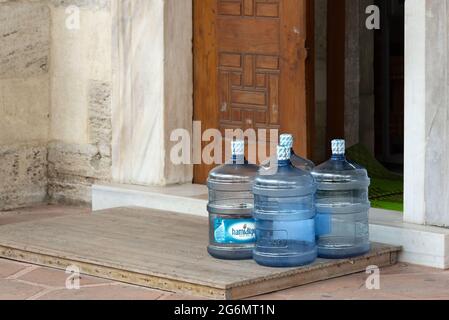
[{"x": 24, "y": 281}]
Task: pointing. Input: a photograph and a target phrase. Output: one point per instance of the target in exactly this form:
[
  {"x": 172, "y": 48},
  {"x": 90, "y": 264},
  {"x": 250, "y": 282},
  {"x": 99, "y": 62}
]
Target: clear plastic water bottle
[
  {"x": 342, "y": 206},
  {"x": 287, "y": 140},
  {"x": 285, "y": 215},
  {"x": 231, "y": 203}
]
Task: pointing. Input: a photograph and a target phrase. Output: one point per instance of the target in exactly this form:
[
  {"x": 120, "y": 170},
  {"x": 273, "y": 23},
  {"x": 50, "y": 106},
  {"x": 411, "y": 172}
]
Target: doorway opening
[
  {"x": 365, "y": 91},
  {"x": 389, "y": 85}
]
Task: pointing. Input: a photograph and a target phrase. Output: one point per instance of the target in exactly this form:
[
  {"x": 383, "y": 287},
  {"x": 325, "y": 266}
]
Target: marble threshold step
[{"x": 422, "y": 245}]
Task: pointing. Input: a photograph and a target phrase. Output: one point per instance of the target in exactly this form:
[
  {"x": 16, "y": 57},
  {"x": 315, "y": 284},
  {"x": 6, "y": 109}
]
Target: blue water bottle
[
  {"x": 342, "y": 206},
  {"x": 285, "y": 214},
  {"x": 231, "y": 225}
]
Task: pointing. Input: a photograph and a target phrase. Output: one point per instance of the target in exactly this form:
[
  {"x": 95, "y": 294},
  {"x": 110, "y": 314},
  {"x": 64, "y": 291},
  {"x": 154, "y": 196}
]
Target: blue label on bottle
[{"x": 233, "y": 231}]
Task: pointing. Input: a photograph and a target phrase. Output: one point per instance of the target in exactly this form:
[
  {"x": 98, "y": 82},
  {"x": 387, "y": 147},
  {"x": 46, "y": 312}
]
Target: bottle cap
[
  {"x": 286, "y": 140},
  {"x": 338, "y": 147},
  {"x": 238, "y": 147},
  {"x": 284, "y": 153}
]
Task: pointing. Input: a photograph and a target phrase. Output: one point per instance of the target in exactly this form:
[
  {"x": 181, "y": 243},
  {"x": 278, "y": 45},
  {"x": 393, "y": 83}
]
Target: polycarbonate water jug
[
  {"x": 342, "y": 206},
  {"x": 231, "y": 203},
  {"x": 285, "y": 214}
]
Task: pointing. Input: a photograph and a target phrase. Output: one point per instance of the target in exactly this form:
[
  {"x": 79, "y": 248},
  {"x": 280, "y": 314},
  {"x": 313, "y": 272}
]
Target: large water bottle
[
  {"x": 342, "y": 206},
  {"x": 231, "y": 203},
  {"x": 286, "y": 140},
  {"x": 285, "y": 215}
]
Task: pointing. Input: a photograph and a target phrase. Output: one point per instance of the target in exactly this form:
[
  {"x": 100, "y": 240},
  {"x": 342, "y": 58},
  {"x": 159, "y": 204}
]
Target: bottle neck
[
  {"x": 238, "y": 159},
  {"x": 284, "y": 163},
  {"x": 339, "y": 157},
  {"x": 292, "y": 151}
]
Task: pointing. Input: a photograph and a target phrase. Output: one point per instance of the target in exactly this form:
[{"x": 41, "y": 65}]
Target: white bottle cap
[
  {"x": 284, "y": 153},
  {"x": 338, "y": 147},
  {"x": 238, "y": 147},
  {"x": 286, "y": 140}
]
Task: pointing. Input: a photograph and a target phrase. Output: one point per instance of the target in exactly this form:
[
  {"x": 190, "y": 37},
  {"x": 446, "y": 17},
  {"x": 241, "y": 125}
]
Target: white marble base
[
  {"x": 153, "y": 89},
  {"x": 188, "y": 199},
  {"x": 422, "y": 245},
  {"x": 426, "y": 146}
]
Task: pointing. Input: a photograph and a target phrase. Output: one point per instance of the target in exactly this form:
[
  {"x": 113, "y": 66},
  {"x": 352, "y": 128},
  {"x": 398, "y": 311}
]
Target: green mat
[{"x": 387, "y": 188}]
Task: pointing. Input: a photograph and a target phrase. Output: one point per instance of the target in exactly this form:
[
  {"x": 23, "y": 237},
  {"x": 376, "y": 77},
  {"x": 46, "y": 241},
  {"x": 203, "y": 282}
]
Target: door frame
[{"x": 205, "y": 60}]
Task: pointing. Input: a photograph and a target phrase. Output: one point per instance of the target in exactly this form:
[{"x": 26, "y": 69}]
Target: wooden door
[{"x": 253, "y": 68}]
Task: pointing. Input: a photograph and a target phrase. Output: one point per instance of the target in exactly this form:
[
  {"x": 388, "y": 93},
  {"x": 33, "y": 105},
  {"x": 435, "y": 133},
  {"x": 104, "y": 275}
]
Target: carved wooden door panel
[{"x": 253, "y": 68}]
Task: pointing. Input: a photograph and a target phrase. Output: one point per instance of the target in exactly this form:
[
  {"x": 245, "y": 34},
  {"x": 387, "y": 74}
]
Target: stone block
[
  {"x": 24, "y": 109},
  {"x": 69, "y": 189},
  {"x": 100, "y": 124},
  {"x": 23, "y": 172},
  {"x": 25, "y": 39},
  {"x": 73, "y": 168}
]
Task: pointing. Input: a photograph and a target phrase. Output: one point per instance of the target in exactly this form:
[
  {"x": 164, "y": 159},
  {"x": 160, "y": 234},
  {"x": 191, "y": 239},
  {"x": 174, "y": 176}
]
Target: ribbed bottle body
[
  {"x": 232, "y": 232},
  {"x": 284, "y": 212},
  {"x": 342, "y": 207}
]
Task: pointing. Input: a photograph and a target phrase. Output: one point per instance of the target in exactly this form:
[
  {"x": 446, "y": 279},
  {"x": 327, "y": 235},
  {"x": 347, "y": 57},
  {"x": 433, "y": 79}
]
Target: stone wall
[
  {"x": 74, "y": 167},
  {"x": 24, "y": 102},
  {"x": 23, "y": 172},
  {"x": 79, "y": 152},
  {"x": 55, "y": 113},
  {"x": 106, "y": 101}
]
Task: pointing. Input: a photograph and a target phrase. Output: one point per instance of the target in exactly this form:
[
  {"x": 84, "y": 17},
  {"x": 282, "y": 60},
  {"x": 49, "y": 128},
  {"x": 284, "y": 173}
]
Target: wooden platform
[{"x": 161, "y": 250}]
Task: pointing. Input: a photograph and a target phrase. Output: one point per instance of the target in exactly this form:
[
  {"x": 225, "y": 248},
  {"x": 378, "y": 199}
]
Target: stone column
[
  {"x": 427, "y": 113},
  {"x": 153, "y": 88}
]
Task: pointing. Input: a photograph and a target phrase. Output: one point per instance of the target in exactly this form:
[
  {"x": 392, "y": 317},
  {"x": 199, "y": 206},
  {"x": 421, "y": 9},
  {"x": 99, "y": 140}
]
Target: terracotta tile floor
[{"x": 25, "y": 281}]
